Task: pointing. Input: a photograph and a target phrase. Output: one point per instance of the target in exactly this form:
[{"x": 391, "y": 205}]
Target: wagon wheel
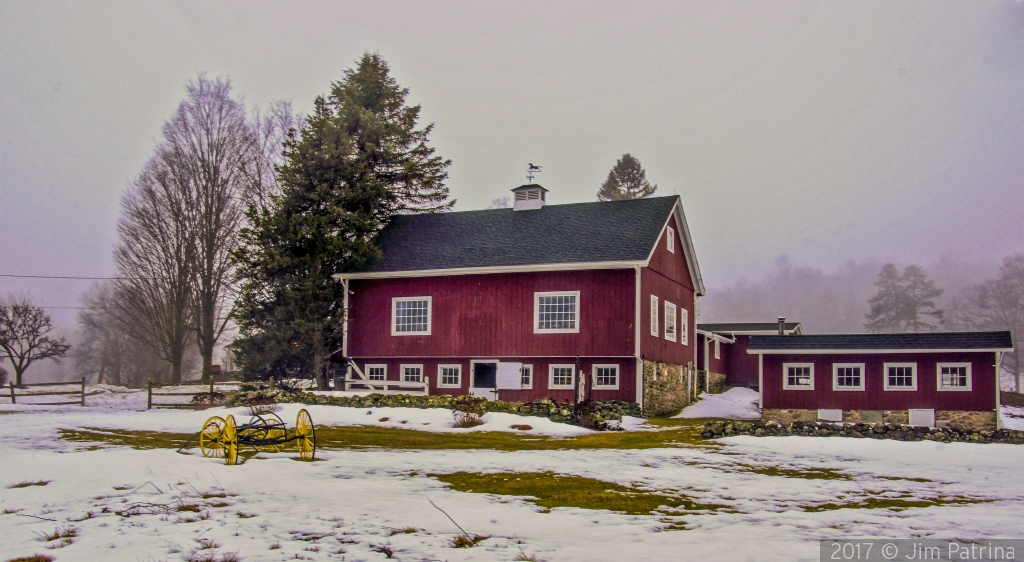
[
  {"x": 268, "y": 427},
  {"x": 229, "y": 441},
  {"x": 210, "y": 437},
  {"x": 305, "y": 436}
]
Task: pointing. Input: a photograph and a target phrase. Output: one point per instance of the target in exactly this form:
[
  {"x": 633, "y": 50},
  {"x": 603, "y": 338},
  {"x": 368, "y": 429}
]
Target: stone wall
[
  {"x": 953, "y": 419},
  {"x": 893, "y": 431},
  {"x": 716, "y": 383},
  {"x": 667, "y": 387}
]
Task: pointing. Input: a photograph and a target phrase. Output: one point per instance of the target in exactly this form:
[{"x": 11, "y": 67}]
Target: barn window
[
  {"x": 606, "y": 377},
  {"x": 412, "y": 373},
  {"x": 449, "y": 376},
  {"x": 684, "y": 326},
  {"x": 410, "y": 316},
  {"x": 847, "y": 376},
  {"x": 526, "y": 376},
  {"x": 954, "y": 376},
  {"x": 654, "y": 316},
  {"x": 718, "y": 349},
  {"x": 798, "y": 376},
  {"x": 900, "y": 376},
  {"x": 556, "y": 312},
  {"x": 671, "y": 240},
  {"x": 670, "y": 321},
  {"x": 377, "y": 372},
  {"x": 560, "y": 376}
]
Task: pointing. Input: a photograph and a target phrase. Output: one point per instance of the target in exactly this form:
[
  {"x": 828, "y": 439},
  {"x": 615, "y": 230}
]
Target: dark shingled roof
[
  {"x": 845, "y": 342},
  {"x": 575, "y": 233},
  {"x": 730, "y": 327}
]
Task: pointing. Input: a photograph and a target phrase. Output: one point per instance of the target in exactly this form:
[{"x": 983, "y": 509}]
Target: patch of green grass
[
  {"x": 28, "y": 483},
  {"x": 676, "y": 433},
  {"x": 33, "y": 558},
  {"x": 896, "y": 504},
  {"x": 550, "y": 490},
  {"x": 802, "y": 473}
]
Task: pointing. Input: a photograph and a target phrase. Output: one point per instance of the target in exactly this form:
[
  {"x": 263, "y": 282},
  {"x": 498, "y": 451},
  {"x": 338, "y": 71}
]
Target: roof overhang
[
  {"x": 530, "y": 268},
  {"x": 867, "y": 351},
  {"x": 716, "y": 336}
]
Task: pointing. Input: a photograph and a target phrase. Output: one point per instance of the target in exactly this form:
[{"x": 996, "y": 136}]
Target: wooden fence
[
  {"x": 80, "y": 401},
  {"x": 158, "y": 390}
]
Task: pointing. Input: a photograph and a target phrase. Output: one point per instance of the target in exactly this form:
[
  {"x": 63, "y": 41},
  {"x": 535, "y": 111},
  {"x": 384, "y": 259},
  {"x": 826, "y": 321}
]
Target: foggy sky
[{"x": 826, "y": 131}]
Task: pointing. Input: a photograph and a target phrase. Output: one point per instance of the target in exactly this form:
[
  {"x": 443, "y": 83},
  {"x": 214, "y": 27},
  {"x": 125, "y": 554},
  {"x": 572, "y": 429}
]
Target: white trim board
[
  {"x": 864, "y": 351},
  {"x": 488, "y": 270}
]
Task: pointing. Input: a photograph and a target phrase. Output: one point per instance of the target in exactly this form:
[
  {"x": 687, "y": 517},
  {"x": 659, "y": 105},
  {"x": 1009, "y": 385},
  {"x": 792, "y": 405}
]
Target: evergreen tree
[
  {"x": 357, "y": 162},
  {"x": 626, "y": 180},
  {"x": 902, "y": 301}
]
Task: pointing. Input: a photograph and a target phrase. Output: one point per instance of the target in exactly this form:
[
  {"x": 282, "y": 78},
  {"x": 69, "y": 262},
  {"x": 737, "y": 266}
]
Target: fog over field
[{"x": 810, "y": 142}]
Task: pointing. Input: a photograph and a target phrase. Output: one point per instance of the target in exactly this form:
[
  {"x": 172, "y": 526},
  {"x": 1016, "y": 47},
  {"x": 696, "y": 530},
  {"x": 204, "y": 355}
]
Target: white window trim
[
  {"x": 835, "y": 377},
  {"x": 551, "y": 377},
  {"x": 938, "y": 378},
  {"x": 530, "y": 367},
  {"x": 671, "y": 239},
  {"x": 368, "y": 366},
  {"x": 618, "y": 377},
  {"x": 403, "y": 367},
  {"x": 675, "y": 321},
  {"x": 536, "y": 312},
  {"x": 440, "y": 378},
  {"x": 394, "y": 315},
  {"x": 785, "y": 376},
  {"x": 655, "y": 311},
  {"x": 718, "y": 348},
  {"x": 885, "y": 377},
  {"x": 684, "y": 323}
]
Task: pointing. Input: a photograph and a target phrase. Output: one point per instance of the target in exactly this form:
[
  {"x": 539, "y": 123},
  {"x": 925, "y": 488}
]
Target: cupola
[{"x": 530, "y": 196}]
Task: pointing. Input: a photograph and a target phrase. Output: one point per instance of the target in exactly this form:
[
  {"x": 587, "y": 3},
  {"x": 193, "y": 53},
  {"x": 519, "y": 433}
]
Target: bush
[{"x": 259, "y": 405}]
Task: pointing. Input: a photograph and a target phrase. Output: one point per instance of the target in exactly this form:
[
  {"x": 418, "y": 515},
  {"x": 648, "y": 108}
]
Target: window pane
[
  {"x": 954, "y": 376},
  {"x": 561, "y": 376},
  {"x": 606, "y": 376},
  {"x": 799, "y": 376},
  {"x": 411, "y": 374},
  {"x": 375, "y": 373},
  {"x": 449, "y": 376},
  {"x": 556, "y": 312},
  {"x": 901, "y": 377},
  {"x": 411, "y": 316},
  {"x": 526, "y": 377},
  {"x": 848, "y": 377}
]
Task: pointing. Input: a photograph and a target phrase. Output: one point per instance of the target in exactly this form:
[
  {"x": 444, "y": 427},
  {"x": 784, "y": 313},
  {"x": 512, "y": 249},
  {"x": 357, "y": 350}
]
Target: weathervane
[{"x": 531, "y": 169}]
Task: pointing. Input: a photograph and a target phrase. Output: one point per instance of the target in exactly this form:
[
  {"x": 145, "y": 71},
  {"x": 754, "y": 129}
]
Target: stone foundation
[
  {"x": 953, "y": 419},
  {"x": 667, "y": 387}
]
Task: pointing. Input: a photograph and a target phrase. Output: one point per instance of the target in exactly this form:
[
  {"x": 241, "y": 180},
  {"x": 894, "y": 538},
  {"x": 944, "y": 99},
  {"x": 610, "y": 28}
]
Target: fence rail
[
  {"x": 150, "y": 394},
  {"x": 80, "y": 392},
  {"x": 385, "y": 387}
]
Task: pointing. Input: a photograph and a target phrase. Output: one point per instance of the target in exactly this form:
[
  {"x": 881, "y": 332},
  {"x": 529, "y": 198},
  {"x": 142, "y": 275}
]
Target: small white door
[{"x": 510, "y": 376}]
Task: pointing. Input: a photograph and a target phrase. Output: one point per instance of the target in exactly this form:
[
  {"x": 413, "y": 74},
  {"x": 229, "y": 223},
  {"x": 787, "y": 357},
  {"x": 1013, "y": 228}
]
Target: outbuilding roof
[
  {"x": 612, "y": 233},
  {"x": 748, "y": 327},
  {"x": 881, "y": 343}
]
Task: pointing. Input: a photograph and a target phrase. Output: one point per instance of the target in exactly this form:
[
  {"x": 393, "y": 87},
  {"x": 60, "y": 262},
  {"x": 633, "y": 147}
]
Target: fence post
[
  {"x": 83, "y": 391},
  {"x": 149, "y": 396},
  {"x": 211, "y": 388},
  {"x": 13, "y": 400}
]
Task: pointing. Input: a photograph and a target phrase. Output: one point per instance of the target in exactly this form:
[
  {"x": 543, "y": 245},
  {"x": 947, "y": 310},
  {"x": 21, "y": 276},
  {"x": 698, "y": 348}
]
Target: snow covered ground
[
  {"x": 735, "y": 404},
  {"x": 348, "y": 505}
]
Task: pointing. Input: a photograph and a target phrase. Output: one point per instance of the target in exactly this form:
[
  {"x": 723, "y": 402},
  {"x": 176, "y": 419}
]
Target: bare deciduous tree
[
  {"x": 997, "y": 304},
  {"x": 154, "y": 259},
  {"x": 25, "y": 335}
]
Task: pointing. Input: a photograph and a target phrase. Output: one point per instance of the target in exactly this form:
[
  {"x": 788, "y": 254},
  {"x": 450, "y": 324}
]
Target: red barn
[
  {"x": 722, "y": 348},
  {"x": 934, "y": 379},
  {"x": 527, "y": 302}
]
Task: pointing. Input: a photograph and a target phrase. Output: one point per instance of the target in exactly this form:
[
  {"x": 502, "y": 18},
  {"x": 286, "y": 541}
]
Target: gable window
[
  {"x": 556, "y": 312},
  {"x": 718, "y": 349},
  {"x": 606, "y": 377},
  {"x": 410, "y": 316},
  {"x": 900, "y": 376},
  {"x": 560, "y": 376},
  {"x": 671, "y": 240},
  {"x": 684, "y": 327},
  {"x": 798, "y": 376},
  {"x": 654, "y": 316},
  {"x": 670, "y": 321},
  {"x": 954, "y": 376},
  {"x": 412, "y": 373},
  {"x": 526, "y": 376},
  {"x": 847, "y": 376},
  {"x": 377, "y": 372},
  {"x": 449, "y": 376}
]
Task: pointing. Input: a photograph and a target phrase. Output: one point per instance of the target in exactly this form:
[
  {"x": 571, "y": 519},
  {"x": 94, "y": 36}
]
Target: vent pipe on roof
[{"x": 782, "y": 325}]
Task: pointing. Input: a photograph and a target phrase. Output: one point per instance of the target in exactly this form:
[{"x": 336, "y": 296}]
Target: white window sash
[
  {"x": 684, "y": 326},
  {"x": 670, "y": 321},
  {"x": 885, "y": 376},
  {"x": 417, "y": 368},
  {"x": 440, "y": 376},
  {"x": 605, "y": 386},
  {"x": 394, "y": 315},
  {"x": 785, "y": 376},
  {"x": 943, "y": 388},
  {"x": 835, "y": 376},
  {"x": 536, "y": 312},
  {"x": 551, "y": 377},
  {"x": 654, "y": 316},
  {"x": 529, "y": 378},
  {"x": 671, "y": 240},
  {"x": 383, "y": 368}
]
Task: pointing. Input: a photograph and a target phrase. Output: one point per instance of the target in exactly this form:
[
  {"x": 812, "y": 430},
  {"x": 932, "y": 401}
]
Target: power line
[{"x": 63, "y": 277}]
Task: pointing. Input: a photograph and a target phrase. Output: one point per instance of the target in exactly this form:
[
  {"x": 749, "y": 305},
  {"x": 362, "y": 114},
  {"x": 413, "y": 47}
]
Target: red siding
[
  {"x": 742, "y": 366},
  {"x": 667, "y": 278},
  {"x": 627, "y": 378},
  {"x": 720, "y": 365},
  {"x": 874, "y": 397},
  {"x": 489, "y": 316}
]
